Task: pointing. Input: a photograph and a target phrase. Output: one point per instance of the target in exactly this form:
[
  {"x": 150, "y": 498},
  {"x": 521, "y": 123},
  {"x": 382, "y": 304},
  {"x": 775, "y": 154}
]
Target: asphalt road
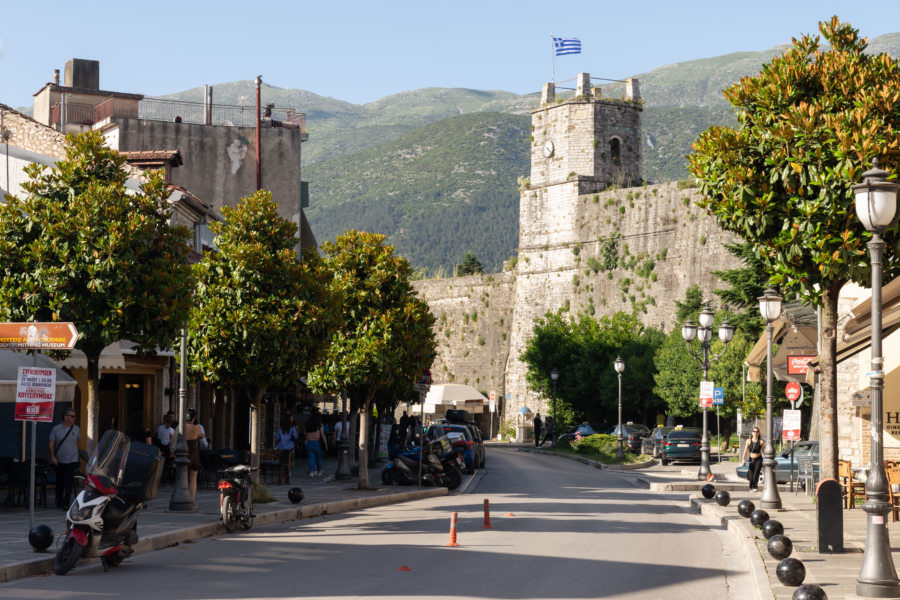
[{"x": 561, "y": 530}]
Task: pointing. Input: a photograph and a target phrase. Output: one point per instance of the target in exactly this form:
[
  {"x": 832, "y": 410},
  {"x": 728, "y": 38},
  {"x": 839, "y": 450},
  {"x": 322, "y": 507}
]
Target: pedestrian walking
[
  {"x": 402, "y": 428},
  {"x": 192, "y": 433},
  {"x": 285, "y": 437},
  {"x": 754, "y": 447},
  {"x": 538, "y": 424},
  {"x": 315, "y": 444},
  {"x": 549, "y": 428},
  {"x": 64, "y": 438}
]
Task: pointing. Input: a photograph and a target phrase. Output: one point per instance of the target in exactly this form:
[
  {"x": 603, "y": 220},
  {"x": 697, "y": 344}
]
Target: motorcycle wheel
[
  {"x": 229, "y": 513},
  {"x": 386, "y": 478},
  {"x": 67, "y": 556},
  {"x": 247, "y": 520},
  {"x": 452, "y": 478}
]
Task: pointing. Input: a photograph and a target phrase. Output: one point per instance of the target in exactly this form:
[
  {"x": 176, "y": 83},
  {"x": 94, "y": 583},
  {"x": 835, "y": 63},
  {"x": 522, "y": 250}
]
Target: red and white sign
[
  {"x": 793, "y": 391},
  {"x": 798, "y": 364},
  {"x": 35, "y": 394},
  {"x": 707, "y": 390},
  {"x": 790, "y": 429}
]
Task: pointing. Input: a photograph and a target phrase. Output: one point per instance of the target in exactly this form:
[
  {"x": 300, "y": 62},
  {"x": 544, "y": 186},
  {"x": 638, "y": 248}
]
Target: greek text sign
[
  {"x": 38, "y": 336},
  {"x": 35, "y": 394}
]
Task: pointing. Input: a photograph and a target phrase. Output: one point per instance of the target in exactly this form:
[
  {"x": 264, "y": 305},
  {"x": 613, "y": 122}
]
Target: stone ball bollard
[
  {"x": 708, "y": 491},
  {"x": 40, "y": 537},
  {"x": 723, "y": 498},
  {"x": 809, "y": 591},
  {"x": 758, "y": 517},
  {"x": 746, "y": 508},
  {"x": 780, "y": 547},
  {"x": 295, "y": 495},
  {"x": 790, "y": 571},
  {"x": 772, "y": 527}
]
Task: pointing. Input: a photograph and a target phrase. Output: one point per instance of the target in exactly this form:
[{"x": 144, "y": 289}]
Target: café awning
[
  {"x": 795, "y": 333},
  {"x": 453, "y": 395}
]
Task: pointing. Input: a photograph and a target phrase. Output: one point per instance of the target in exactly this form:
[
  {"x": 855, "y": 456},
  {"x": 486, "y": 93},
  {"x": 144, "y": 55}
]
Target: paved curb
[
  {"x": 44, "y": 564},
  {"x": 593, "y": 463}
]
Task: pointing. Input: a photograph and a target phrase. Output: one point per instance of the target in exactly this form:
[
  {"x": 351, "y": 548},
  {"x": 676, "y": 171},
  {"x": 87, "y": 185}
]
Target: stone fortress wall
[{"x": 585, "y": 243}]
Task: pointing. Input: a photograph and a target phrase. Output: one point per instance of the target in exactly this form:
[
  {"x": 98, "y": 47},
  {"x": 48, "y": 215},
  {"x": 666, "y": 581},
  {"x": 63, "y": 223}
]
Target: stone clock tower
[{"x": 587, "y": 139}]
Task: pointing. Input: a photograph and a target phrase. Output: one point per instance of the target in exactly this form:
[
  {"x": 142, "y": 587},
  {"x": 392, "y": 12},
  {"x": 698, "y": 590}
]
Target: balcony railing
[{"x": 173, "y": 110}]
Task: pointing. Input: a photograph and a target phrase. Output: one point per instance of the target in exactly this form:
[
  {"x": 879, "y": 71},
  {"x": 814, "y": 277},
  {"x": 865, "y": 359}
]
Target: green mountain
[
  {"x": 436, "y": 192},
  {"x": 435, "y": 169}
]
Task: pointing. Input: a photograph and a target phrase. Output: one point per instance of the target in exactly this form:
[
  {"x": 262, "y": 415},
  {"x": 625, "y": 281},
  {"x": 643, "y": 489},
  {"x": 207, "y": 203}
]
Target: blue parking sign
[{"x": 718, "y": 395}]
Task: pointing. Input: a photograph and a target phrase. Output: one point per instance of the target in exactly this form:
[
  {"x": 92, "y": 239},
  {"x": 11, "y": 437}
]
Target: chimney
[
  {"x": 81, "y": 73},
  {"x": 55, "y": 76}
]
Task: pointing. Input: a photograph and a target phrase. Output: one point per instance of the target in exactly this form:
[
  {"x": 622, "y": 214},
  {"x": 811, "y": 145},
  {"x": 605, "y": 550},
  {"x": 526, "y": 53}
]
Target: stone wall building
[{"x": 586, "y": 243}]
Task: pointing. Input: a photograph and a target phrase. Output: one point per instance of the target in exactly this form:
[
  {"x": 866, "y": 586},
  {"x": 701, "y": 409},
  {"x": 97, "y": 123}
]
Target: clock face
[{"x": 548, "y": 148}]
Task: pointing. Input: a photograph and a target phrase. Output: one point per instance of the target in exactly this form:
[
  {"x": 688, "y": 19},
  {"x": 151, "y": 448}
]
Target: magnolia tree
[
  {"x": 260, "y": 317},
  {"x": 80, "y": 246},
  {"x": 386, "y": 339},
  {"x": 809, "y": 124}
]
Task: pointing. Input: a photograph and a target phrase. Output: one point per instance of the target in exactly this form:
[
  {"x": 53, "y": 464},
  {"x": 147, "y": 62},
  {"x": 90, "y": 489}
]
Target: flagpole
[{"x": 552, "y": 60}]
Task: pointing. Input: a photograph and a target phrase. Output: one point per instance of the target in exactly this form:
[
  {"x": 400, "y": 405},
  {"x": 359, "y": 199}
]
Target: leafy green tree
[
  {"x": 387, "y": 336},
  {"x": 809, "y": 124},
  {"x": 746, "y": 285},
  {"x": 260, "y": 317},
  {"x": 82, "y": 247},
  {"x": 469, "y": 265},
  {"x": 678, "y": 374},
  {"x": 584, "y": 350}
]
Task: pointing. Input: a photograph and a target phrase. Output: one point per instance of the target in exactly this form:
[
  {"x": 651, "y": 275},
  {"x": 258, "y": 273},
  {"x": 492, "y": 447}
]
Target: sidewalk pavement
[
  {"x": 160, "y": 528},
  {"x": 835, "y": 573}
]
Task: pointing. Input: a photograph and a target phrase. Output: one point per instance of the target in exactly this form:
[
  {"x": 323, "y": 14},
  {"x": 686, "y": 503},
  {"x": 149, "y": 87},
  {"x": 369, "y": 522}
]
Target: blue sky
[{"x": 362, "y": 51}]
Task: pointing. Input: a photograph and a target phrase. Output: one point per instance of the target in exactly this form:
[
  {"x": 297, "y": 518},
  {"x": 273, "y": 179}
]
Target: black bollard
[
  {"x": 809, "y": 591},
  {"x": 790, "y": 571},
  {"x": 723, "y": 498},
  {"x": 780, "y": 547},
  {"x": 708, "y": 490},
  {"x": 40, "y": 537},
  {"x": 295, "y": 495},
  {"x": 746, "y": 508},
  {"x": 758, "y": 517},
  {"x": 772, "y": 527}
]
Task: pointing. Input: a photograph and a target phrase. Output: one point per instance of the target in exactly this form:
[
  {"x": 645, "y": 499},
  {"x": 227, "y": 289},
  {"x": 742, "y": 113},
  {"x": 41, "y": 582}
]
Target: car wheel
[
  {"x": 656, "y": 453},
  {"x": 665, "y": 462}
]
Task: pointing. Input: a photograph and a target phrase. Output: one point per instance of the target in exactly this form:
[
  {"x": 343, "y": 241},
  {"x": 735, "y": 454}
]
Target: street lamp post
[
  {"x": 770, "y": 308},
  {"x": 876, "y": 207},
  {"x": 620, "y": 366},
  {"x": 554, "y": 375},
  {"x": 703, "y": 333},
  {"x": 181, "y": 493}
]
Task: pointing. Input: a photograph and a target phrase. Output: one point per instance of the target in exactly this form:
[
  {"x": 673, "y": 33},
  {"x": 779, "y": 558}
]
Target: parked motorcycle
[
  {"x": 236, "y": 498},
  {"x": 102, "y": 520},
  {"x": 441, "y": 466}
]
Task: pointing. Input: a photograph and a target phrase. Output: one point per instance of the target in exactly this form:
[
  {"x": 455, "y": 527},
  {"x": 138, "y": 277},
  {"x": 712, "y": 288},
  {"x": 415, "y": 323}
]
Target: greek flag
[{"x": 567, "y": 46}]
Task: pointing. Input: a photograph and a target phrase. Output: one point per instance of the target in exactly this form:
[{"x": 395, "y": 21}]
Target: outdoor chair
[
  {"x": 850, "y": 487},
  {"x": 806, "y": 477},
  {"x": 893, "y": 478}
]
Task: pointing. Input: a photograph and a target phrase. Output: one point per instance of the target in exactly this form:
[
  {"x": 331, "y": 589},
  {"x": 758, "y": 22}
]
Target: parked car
[
  {"x": 651, "y": 445},
  {"x": 584, "y": 430},
  {"x": 783, "y": 460},
  {"x": 462, "y": 436},
  {"x": 681, "y": 444},
  {"x": 632, "y": 434}
]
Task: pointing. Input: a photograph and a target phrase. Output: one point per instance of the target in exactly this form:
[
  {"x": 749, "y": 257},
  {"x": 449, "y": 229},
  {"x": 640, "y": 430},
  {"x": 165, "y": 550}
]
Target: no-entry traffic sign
[{"x": 38, "y": 336}]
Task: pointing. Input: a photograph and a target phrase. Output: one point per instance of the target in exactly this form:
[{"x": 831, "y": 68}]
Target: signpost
[
  {"x": 718, "y": 400},
  {"x": 36, "y": 388},
  {"x": 706, "y": 393},
  {"x": 794, "y": 392}
]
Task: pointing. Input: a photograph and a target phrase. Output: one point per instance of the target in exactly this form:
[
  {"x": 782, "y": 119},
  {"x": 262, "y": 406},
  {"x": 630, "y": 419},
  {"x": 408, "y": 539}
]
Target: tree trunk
[
  {"x": 92, "y": 425},
  {"x": 828, "y": 444},
  {"x": 364, "y": 414},
  {"x": 256, "y": 400}
]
